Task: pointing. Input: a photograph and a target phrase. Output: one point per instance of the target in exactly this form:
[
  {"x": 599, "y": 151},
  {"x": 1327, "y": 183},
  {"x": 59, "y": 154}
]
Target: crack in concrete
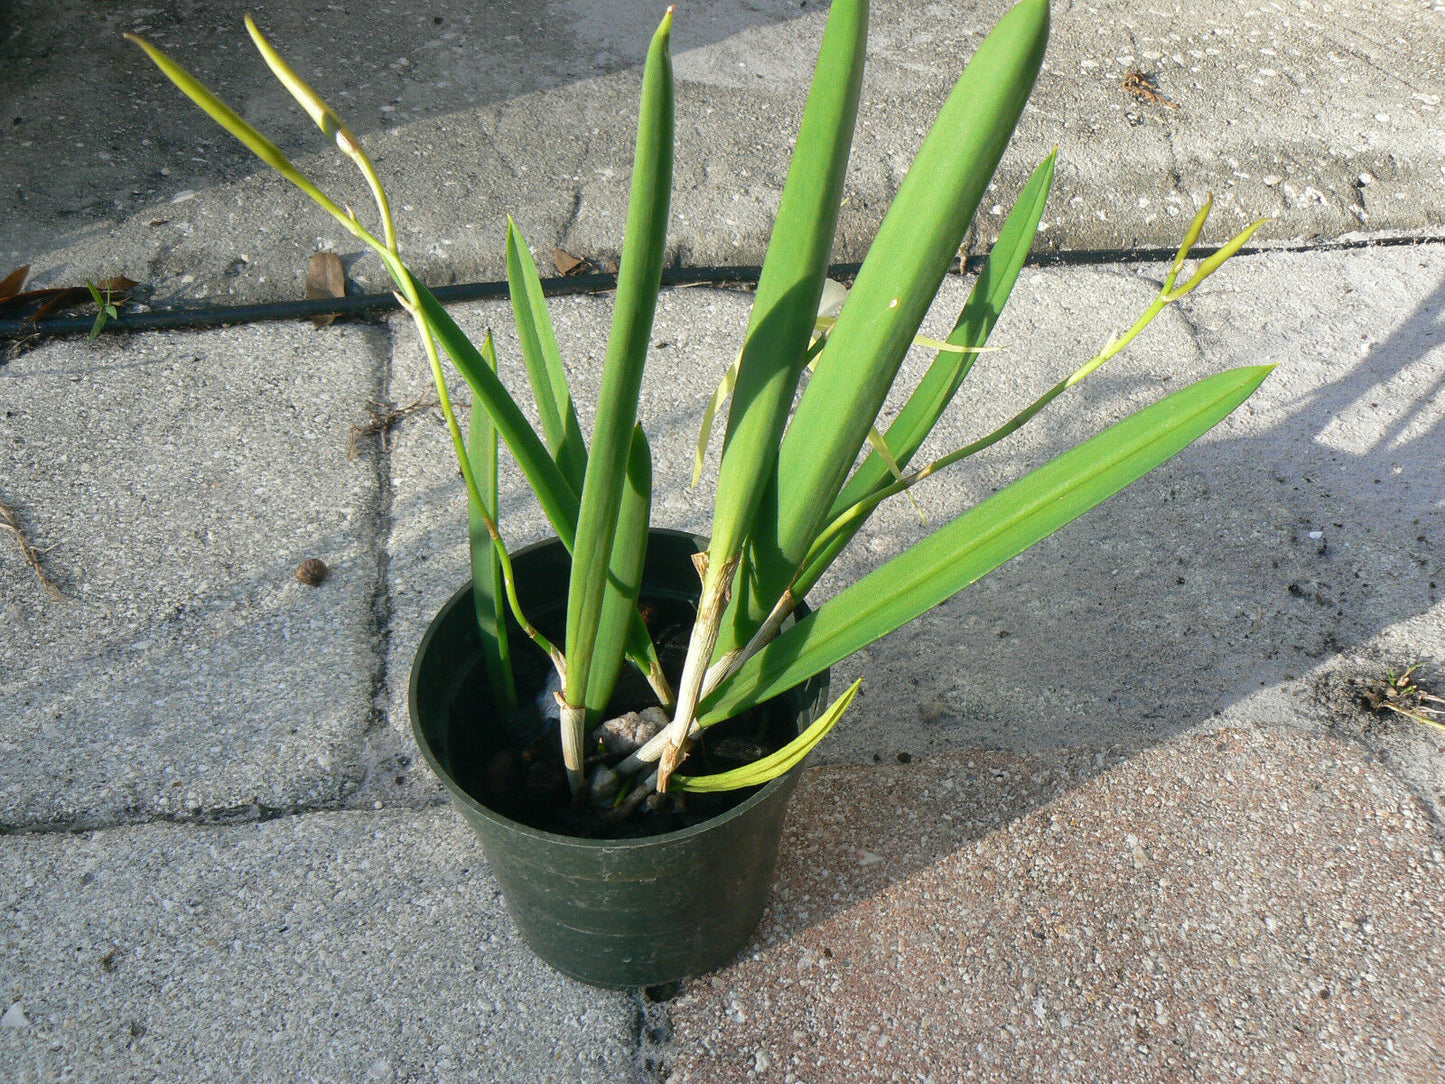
[
  {"x": 234, "y": 816},
  {"x": 652, "y": 1031},
  {"x": 381, "y": 527},
  {"x": 564, "y": 232},
  {"x": 1370, "y": 62},
  {"x": 486, "y": 133}
]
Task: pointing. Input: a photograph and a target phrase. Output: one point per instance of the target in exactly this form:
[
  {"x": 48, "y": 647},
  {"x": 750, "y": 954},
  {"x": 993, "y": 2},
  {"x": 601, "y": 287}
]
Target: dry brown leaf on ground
[
  {"x": 13, "y": 281},
  {"x": 568, "y": 264},
  {"x": 325, "y": 277}
]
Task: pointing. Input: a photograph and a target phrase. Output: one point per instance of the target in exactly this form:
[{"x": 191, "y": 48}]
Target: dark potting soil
[{"x": 513, "y": 766}]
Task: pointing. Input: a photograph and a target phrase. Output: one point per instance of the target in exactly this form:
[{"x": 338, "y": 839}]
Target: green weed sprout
[
  {"x": 789, "y": 496},
  {"x": 105, "y": 309}
]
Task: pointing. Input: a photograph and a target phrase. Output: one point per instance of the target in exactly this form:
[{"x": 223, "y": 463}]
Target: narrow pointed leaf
[
  {"x": 880, "y": 448},
  {"x": 10, "y": 285},
  {"x": 900, "y": 276},
  {"x": 985, "y": 302},
  {"x": 792, "y": 280},
  {"x": 544, "y": 360},
  {"x": 629, "y": 551},
  {"x": 979, "y": 541},
  {"x": 831, "y": 300},
  {"x": 719, "y": 397},
  {"x": 945, "y": 376},
  {"x": 557, "y": 498},
  {"x": 770, "y": 767},
  {"x": 638, "y": 281},
  {"x": 488, "y": 596}
]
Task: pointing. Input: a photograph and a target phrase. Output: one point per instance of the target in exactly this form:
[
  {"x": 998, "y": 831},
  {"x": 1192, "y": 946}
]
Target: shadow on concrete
[
  {"x": 74, "y": 91},
  {"x": 1252, "y": 619}
]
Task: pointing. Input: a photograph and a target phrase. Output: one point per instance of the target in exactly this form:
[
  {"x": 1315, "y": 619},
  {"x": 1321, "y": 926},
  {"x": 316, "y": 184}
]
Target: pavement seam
[
  {"x": 236, "y": 817},
  {"x": 22, "y": 334},
  {"x": 382, "y": 525},
  {"x": 652, "y": 1032}
]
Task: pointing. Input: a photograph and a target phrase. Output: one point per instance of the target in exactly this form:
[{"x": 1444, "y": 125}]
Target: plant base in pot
[{"x": 615, "y": 913}]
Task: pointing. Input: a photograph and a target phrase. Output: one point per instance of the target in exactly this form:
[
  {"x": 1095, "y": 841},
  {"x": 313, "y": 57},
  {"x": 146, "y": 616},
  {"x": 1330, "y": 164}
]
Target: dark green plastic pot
[{"x": 612, "y": 913}]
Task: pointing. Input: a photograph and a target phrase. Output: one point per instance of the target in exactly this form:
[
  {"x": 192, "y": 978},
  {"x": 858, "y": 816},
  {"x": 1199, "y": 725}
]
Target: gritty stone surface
[
  {"x": 1251, "y": 903},
  {"x": 332, "y": 947},
  {"x": 1307, "y": 526},
  {"x": 530, "y": 109},
  {"x": 174, "y": 483}
]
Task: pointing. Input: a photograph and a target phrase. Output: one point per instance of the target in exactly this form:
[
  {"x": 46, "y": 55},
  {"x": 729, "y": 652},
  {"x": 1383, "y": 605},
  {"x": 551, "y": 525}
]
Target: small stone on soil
[{"x": 627, "y": 733}]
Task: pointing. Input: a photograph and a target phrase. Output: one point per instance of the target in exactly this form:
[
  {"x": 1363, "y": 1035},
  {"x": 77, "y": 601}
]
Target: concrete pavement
[
  {"x": 1327, "y": 115},
  {"x": 1120, "y": 811}
]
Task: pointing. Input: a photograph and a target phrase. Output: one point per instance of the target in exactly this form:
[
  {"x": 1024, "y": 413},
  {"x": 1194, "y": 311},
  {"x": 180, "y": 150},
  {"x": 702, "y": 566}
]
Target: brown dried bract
[
  {"x": 325, "y": 278},
  {"x": 569, "y": 265},
  {"x": 1146, "y": 89}
]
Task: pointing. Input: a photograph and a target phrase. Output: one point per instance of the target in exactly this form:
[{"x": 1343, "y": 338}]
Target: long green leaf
[
  {"x": 638, "y": 281},
  {"x": 775, "y": 350},
  {"x": 629, "y": 551},
  {"x": 487, "y": 590},
  {"x": 986, "y": 301},
  {"x": 828, "y": 304},
  {"x": 557, "y": 498},
  {"x": 544, "y": 360},
  {"x": 944, "y": 377},
  {"x": 979, "y": 541},
  {"x": 792, "y": 279},
  {"x": 900, "y": 276},
  {"x": 775, "y": 764}
]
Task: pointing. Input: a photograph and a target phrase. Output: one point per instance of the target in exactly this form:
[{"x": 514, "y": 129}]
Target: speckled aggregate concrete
[
  {"x": 1144, "y": 830},
  {"x": 1326, "y": 114},
  {"x": 175, "y": 483},
  {"x": 1252, "y": 904},
  {"x": 331, "y": 947}
]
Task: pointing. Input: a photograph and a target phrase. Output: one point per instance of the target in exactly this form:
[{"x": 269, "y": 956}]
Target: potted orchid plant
[{"x": 516, "y": 689}]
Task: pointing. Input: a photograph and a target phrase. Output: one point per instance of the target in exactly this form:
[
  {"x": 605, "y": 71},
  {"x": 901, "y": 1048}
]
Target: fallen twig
[
  {"x": 383, "y": 417},
  {"x": 1146, "y": 89},
  {"x": 9, "y": 521}
]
